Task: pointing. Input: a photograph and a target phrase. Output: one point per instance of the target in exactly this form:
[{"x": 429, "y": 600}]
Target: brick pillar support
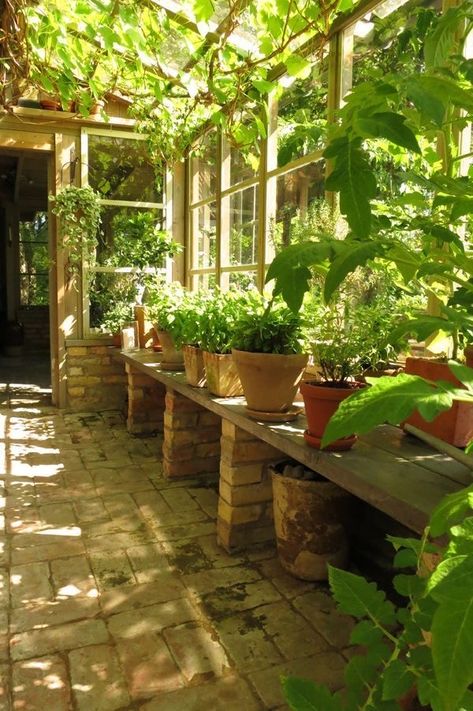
[
  {"x": 145, "y": 403},
  {"x": 191, "y": 438},
  {"x": 245, "y": 506}
]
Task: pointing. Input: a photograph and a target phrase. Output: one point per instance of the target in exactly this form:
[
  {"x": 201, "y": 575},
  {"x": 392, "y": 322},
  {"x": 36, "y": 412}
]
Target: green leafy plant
[
  {"x": 162, "y": 302},
  {"x": 139, "y": 242},
  {"x": 78, "y": 210},
  {"x": 187, "y": 317},
  {"x": 424, "y": 645},
  {"x": 268, "y": 327},
  {"x": 218, "y": 321},
  {"x": 114, "y": 318}
]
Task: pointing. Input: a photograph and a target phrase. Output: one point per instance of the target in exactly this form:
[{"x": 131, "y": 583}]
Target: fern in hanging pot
[{"x": 78, "y": 210}]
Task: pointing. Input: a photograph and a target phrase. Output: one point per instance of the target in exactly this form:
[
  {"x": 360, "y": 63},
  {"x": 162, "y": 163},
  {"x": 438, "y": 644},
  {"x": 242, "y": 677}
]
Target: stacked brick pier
[
  {"x": 245, "y": 509},
  {"x": 145, "y": 403},
  {"x": 191, "y": 438}
]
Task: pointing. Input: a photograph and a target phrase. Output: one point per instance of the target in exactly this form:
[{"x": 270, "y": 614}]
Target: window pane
[
  {"x": 204, "y": 239},
  {"x": 108, "y": 294},
  {"x": 131, "y": 237},
  {"x": 120, "y": 169},
  {"x": 34, "y": 289},
  {"x": 34, "y": 257},
  {"x": 239, "y": 280},
  {"x": 239, "y": 216},
  {"x": 289, "y": 199},
  {"x": 302, "y": 114},
  {"x": 204, "y": 281},
  {"x": 204, "y": 168},
  {"x": 243, "y": 164}
]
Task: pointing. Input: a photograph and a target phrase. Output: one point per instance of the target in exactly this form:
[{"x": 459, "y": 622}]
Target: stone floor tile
[
  {"x": 240, "y": 597},
  {"x": 52, "y": 551},
  {"x": 186, "y": 556},
  {"x": 129, "y": 597},
  {"x": 149, "y": 557},
  {"x": 197, "y": 652},
  {"x": 319, "y": 608},
  {"x": 29, "y": 584},
  {"x": 179, "y": 500},
  {"x": 285, "y": 583},
  {"x": 53, "y": 613},
  {"x": 148, "y": 666},
  {"x": 90, "y": 510},
  {"x": 182, "y": 532},
  {"x": 122, "y": 541},
  {"x": 207, "y": 499},
  {"x": 72, "y": 577},
  {"x": 58, "y": 638},
  {"x": 209, "y": 580},
  {"x": 111, "y": 569},
  {"x": 58, "y": 515},
  {"x": 218, "y": 557},
  {"x": 151, "y": 504},
  {"x": 227, "y": 694},
  {"x": 41, "y": 683},
  {"x": 289, "y": 631},
  {"x": 247, "y": 643},
  {"x": 325, "y": 668},
  {"x": 97, "y": 681},
  {"x": 154, "y": 618}
]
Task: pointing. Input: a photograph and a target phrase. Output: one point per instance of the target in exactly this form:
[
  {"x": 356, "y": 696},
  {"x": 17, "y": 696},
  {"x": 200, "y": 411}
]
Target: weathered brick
[
  {"x": 249, "y": 494},
  {"x": 176, "y": 403},
  {"x": 177, "y": 438},
  {"x": 235, "y": 515},
  {"x": 175, "y": 469},
  {"x": 235, "y": 433},
  {"x": 235, "y": 452},
  {"x": 114, "y": 379},
  {"x": 77, "y": 351},
  {"x": 242, "y": 474},
  {"x": 234, "y": 538},
  {"x": 206, "y": 419},
  {"x": 181, "y": 422},
  {"x": 75, "y": 391},
  {"x": 208, "y": 449}
]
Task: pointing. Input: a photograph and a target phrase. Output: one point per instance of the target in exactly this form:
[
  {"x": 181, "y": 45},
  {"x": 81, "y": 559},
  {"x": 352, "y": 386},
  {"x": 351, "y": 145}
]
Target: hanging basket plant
[{"x": 78, "y": 210}]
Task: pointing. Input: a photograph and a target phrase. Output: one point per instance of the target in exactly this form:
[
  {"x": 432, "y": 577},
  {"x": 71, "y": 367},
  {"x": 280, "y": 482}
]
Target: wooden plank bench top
[{"x": 392, "y": 471}]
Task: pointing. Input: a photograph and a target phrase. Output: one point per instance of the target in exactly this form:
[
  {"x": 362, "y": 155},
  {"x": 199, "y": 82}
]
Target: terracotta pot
[
  {"x": 321, "y": 402},
  {"x": 221, "y": 374},
  {"x": 172, "y": 358},
  {"x": 310, "y": 520},
  {"x": 50, "y": 104},
  {"x": 116, "y": 340},
  {"x": 194, "y": 365},
  {"x": 269, "y": 380},
  {"x": 454, "y": 426}
]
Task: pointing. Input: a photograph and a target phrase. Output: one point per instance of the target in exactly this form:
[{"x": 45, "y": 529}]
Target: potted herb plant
[
  {"x": 187, "y": 335},
  {"x": 115, "y": 317},
  {"x": 217, "y": 327},
  {"x": 267, "y": 350},
  {"x": 163, "y": 301},
  {"x": 78, "y": 210},
  {"x": 345, "y": 342}
]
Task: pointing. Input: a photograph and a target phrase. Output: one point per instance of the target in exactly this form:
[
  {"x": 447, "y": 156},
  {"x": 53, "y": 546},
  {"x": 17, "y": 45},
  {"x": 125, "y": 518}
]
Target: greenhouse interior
[{"x": 236, "y": 355}]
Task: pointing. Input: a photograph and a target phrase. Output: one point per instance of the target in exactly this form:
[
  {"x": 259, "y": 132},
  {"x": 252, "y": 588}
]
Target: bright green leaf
[{"x": 388, "y": 125}]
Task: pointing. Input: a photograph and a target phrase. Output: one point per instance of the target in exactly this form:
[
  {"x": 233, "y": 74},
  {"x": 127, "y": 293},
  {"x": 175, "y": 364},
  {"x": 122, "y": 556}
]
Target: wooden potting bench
[{"x": 388, "y": 469}]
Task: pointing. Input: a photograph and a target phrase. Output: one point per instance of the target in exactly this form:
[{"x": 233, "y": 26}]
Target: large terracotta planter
[
  {"x": 172, "y": 358},
  {"x": 310, "y": 519},
  {"x": 270, "y": 380},
  {"x": 222, "y": 376},
  {"x": 454, "y": 426},
  {"x": 321, "y": 402},
  {"x": 194, "y": 366}
]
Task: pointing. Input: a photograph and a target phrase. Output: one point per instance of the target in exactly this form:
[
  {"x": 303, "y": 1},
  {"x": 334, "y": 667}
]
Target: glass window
[
  {"x": 243, "y": 164},
  {"x": 291, "y": 196},
  {"x": 204, "y": 236},
  {"x": 131, "y": 237},
  {"x": 302, "y": 114},
  {"x": 204, "y": 168},
  {"x": 204, "y": 281},
  {"x": 240, "y": 225},
  {"x": 119, "y": 168},
  {"x": 102, "y": 290},
  {"x": 34, "y": 261},
  {"x": 241, "y": 280}
]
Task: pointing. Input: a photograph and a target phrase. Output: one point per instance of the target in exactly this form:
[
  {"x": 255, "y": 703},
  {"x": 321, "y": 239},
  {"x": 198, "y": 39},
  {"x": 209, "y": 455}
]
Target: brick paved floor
[{"x": 115, "y": 594}]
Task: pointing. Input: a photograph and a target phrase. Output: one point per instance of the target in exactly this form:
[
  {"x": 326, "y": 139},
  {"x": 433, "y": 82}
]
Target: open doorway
[{"x": 25, "y": 358}]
